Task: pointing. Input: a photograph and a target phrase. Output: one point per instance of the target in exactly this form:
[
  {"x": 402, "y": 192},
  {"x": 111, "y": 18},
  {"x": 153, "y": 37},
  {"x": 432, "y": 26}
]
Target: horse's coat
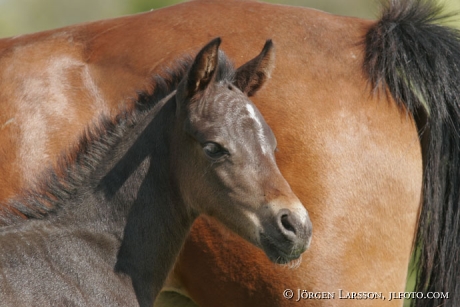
[{"x": 353, "y": 158}]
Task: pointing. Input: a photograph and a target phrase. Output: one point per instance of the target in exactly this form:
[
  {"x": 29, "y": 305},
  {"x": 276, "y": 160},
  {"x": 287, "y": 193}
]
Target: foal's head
[{"x": 227, "y": 165}]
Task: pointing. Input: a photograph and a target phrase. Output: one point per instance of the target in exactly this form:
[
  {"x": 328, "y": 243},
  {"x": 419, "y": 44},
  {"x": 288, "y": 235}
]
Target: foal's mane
[{"x": 56, "y": 185}]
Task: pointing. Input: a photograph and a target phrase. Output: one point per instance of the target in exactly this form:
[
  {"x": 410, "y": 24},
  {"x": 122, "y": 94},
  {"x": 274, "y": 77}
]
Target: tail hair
[{"x": 410, "y": 55}]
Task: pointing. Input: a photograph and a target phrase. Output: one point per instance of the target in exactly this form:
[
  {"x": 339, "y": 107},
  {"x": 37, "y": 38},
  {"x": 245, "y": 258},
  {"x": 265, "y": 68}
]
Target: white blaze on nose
[{"x": 259, "y": 128}]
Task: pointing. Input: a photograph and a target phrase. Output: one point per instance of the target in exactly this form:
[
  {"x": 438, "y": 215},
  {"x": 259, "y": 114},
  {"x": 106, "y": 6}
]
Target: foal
[{"x": 105, "y": 229}]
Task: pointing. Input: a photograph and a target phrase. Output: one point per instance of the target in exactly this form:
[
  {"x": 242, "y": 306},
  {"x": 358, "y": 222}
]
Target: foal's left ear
[
  {"x": 250, "y": 77},
  {"x": 203, "y": 68}
]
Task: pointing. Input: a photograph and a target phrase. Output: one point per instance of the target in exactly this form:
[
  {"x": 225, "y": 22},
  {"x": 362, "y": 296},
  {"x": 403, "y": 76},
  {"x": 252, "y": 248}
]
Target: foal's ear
[
  {"x": 250, "y": 77},
  {"x": 203, "y": 68}
]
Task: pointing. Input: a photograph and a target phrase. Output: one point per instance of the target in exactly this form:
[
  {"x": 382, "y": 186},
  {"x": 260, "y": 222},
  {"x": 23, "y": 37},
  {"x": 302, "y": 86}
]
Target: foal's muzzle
[{"x": 286, "y": 235}]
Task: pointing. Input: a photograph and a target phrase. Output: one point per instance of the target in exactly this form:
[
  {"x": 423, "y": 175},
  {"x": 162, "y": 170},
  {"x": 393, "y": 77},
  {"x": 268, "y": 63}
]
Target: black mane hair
[
  {"x": 417, "y": 60},
  {"x": 76, "y": 165}
]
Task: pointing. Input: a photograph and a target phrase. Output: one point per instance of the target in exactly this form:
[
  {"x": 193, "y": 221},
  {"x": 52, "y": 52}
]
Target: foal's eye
[{"x": 214, "y": 150}]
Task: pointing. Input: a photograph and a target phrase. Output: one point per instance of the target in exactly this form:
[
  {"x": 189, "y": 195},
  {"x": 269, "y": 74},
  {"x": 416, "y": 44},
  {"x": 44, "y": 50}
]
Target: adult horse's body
[{"x": 353, "y": 158}]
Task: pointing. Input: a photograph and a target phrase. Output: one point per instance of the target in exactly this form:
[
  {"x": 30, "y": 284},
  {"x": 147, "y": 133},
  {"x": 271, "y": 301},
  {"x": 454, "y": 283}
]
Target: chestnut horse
[
  {"x": 347, "y": 102},
  {"x": 106, "y": 228}
]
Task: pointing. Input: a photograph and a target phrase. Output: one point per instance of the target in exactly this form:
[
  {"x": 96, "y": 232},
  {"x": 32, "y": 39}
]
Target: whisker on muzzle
[{"x": 294, "y": 264}]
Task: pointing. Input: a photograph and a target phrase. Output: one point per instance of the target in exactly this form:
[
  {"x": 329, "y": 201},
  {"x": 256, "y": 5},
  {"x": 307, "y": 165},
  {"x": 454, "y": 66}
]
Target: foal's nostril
[
  {"x": 287, "y": 224},
  {"x": 285, "y": 221}
]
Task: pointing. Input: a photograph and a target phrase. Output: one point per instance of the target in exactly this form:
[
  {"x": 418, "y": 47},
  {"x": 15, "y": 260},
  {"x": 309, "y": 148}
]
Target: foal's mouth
[{"x": 282, "y": 252}]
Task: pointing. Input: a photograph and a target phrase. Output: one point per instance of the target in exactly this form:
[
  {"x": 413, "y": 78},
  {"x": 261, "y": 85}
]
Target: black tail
[{"x": 418, "y": 61}]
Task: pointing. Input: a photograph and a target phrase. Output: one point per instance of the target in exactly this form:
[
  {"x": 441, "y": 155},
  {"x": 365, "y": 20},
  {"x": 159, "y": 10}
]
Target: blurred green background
[{"x": 26, "y": 16}]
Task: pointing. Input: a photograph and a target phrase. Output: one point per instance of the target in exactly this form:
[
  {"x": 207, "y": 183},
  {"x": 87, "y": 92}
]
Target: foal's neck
[
  {"x": 158, "y": 221},
  {"x": 136, "y": 198}
]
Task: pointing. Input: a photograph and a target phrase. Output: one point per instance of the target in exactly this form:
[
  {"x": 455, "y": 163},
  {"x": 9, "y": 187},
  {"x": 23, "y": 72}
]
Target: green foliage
[
  {"x": 26, "y": 16},
  {"x": 146, "y": 5}
]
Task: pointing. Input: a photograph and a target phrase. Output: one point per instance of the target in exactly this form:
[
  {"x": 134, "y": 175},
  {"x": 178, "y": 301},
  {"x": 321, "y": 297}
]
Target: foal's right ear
[{"x": 203, "y": 68}]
